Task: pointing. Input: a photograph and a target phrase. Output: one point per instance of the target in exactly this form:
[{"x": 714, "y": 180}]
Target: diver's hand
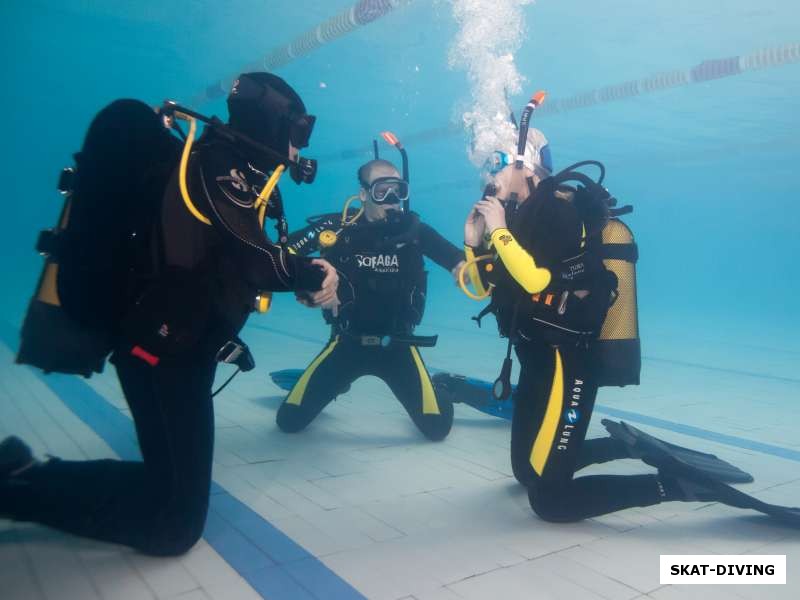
[
  {"x": 457, "y": 269},
  {"x": 493, "y": 212},
  {"x": 474, "y": 228},
  {"x": 332, "y": 305},
  {"x": 330, "y": 283}
]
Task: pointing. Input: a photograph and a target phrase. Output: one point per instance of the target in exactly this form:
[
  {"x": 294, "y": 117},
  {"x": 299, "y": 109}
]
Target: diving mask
[
  {"x": 388, "y": 190},
  {"x": 300, "y": 129},
  {"x": 497, "y": 161}
]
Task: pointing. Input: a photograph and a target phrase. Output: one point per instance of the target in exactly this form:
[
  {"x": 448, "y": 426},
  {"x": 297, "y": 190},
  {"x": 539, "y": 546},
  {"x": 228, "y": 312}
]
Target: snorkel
[
  {"x": 501, "y": 389},
  {"x": 392, "y": 139},
  {"x": 522, "y": 141}
]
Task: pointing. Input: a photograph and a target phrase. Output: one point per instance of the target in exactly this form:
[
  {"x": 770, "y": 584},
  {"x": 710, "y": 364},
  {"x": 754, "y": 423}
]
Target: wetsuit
[
  {"x": 198, "y": 297},
  {"x": 382, "y": 293},
  {"x": 557, "y": 386}
]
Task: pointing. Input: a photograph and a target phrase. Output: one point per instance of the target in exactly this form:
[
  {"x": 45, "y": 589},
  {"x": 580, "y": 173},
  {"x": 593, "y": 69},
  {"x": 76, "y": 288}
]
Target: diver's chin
[{"x": 393, "y": 214}]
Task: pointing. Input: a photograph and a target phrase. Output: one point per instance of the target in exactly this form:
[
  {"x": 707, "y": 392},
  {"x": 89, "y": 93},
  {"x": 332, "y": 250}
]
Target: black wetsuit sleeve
[
  {"x": 265, "y": 265},
  {"x": 306, "y": 241},
  {"x": 438, "y": 249}
]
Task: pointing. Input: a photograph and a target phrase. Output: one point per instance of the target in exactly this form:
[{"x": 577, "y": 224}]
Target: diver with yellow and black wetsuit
[
  {"x": 378, "y": 252},
  {"x": 550, "y": 271},
  {"x": 159, "y": 258}
]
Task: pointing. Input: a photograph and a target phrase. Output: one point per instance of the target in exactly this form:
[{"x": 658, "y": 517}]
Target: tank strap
[{"x": 626, "y": 252}]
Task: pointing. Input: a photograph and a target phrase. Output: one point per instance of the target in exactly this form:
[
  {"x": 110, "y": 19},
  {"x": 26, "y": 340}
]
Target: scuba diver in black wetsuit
[
  {"x": 552, "y": 287},
  {"x": 180, "y": 282},
  {"x": 378, "y": 252}
]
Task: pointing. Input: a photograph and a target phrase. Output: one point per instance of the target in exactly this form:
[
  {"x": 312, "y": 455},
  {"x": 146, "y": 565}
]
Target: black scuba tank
[{"x": 101, "y": 246}]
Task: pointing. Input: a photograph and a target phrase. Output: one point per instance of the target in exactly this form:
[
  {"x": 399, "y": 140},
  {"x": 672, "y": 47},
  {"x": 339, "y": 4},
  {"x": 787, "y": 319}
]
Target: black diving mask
[
  {"x": 388, "y": 190},
  {"x": 300, "y": 129}
]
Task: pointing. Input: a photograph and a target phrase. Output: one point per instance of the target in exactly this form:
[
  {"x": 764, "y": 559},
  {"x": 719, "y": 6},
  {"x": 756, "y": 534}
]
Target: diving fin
[
  {"x": 702, "y": 488},
  {"x": 472, "y": 392},
  {"x": 286, "y": 379},
  {"x": 663, "y": 455}
]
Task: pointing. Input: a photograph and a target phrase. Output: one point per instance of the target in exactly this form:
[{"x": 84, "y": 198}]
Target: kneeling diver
[
  {"x": 546, "y": 271},
  {"x": 165, "y": 290},
  {"x": 378, "y": 252}
]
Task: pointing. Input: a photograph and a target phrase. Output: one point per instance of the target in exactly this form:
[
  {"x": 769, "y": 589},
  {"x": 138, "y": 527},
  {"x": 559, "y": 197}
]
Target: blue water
[{"x": 710, "y": 167}]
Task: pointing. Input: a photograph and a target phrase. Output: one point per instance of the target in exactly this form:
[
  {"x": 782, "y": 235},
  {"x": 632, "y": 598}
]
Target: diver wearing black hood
[
  {"x": 378, "y": 253},
  {"x": 195, "y": 263}
]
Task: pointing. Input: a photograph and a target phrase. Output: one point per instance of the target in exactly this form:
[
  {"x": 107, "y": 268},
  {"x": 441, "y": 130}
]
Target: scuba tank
[
  {"x": 618, "y": 349},
  {"x": 100, "y": 242},
  {"x": 50, "y": 339}
]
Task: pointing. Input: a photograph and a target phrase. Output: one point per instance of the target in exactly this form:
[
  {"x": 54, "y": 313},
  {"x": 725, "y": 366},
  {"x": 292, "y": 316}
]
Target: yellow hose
[
  {"x": 462, "y": 284},
  {"x": 187, "y": 150},
  {"x": 263, "y": 198},
  {"x": 347, "y": 204}
]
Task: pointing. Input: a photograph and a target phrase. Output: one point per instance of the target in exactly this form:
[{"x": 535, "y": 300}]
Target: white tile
[
  {"x": 438, "y": 594},
  {"x": 18, "y": 579},
  {"x": 212, "y": 572},
  {"x": 115, "y": 578},
  {"x": 241, "y": 591},
  {"x": 58, "y": 566},
  {"x": 192, "y": 595},
  {"x": 704, "y": 592},
  {"x": 632, "y": 558},
  {"x": 167, "y": 577}
]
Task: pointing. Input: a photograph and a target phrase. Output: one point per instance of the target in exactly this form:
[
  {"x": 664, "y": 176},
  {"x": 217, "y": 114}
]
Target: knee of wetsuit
[
  {"x": 436, "y": 427},
  {"x": 551, "y": 503},
  {"x": 522, "y": 473},
  {"x": 178, "y": 539},
  {"x": 291, "y": 418}
]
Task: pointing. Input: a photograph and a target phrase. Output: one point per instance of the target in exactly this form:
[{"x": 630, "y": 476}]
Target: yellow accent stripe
[
  {"x": 552, "y": 416},
  {"x": 299, "y": 389},
  {"x": 429, "y": 404}
]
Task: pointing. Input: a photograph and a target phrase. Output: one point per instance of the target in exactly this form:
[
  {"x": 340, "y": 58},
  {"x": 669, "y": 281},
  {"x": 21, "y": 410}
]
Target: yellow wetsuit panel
[
  {"x": 549, "y": 427},
  {"x": 519, "y": 263},
  {"x": 429, "y": 404},
  {"x": 299, "y": 390}
]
